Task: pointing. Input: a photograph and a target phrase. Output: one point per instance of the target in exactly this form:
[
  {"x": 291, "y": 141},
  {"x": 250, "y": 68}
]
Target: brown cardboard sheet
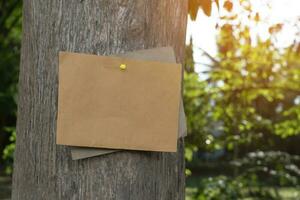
[
  {"x": 162, "y": 54},
  {"x": 86, "y": 152},
  {"x": 105, "y": 107}
]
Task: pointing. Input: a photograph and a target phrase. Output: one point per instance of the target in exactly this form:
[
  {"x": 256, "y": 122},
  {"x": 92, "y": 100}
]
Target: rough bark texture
[{"x": 44, "y": 170}]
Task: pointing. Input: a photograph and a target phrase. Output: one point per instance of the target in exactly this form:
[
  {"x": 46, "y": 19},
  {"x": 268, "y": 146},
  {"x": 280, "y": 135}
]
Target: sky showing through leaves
[{"x": 203, "y": 30}]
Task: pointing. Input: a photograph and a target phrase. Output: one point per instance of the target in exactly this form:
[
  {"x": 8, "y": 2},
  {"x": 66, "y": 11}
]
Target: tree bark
[{"x": 44, "y": 170}]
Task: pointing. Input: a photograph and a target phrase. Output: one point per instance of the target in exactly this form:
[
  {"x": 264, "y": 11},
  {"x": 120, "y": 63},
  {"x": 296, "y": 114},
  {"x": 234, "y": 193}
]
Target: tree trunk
[{"x": 44, "y": 170}]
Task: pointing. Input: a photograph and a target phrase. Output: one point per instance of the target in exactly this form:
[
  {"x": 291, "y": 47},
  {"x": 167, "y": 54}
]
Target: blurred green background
[{"x": 242, "y": 103}]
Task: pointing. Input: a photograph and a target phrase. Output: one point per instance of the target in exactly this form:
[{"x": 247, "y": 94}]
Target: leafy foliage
[
  {"x": 248, "y": 99},
  {"x": 8, "y": 151},
  {"x": 270, "y": 167},
  {"x": 205, "y": 5},
  {"x": 258, "y": 168},
  {"x": 250, "y": 92},
  {"x": 10, "y": 36},
  {"x": 289, "y": 126}
]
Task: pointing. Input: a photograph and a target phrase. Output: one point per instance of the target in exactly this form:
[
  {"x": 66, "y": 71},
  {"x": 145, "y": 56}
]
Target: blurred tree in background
[
  {"x": 252, "y": 90},
  {"x": 249, "y": 101},
  {"x": 10, "y": 37}
]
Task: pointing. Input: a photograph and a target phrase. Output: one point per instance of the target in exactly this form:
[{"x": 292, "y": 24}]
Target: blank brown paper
[
  {"x": 162, "y": 54},
  {"x": 105, "y": 107}
]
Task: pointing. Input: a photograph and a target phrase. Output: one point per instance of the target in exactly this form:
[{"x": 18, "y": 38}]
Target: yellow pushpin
[{"x": 122, "y": 67}]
